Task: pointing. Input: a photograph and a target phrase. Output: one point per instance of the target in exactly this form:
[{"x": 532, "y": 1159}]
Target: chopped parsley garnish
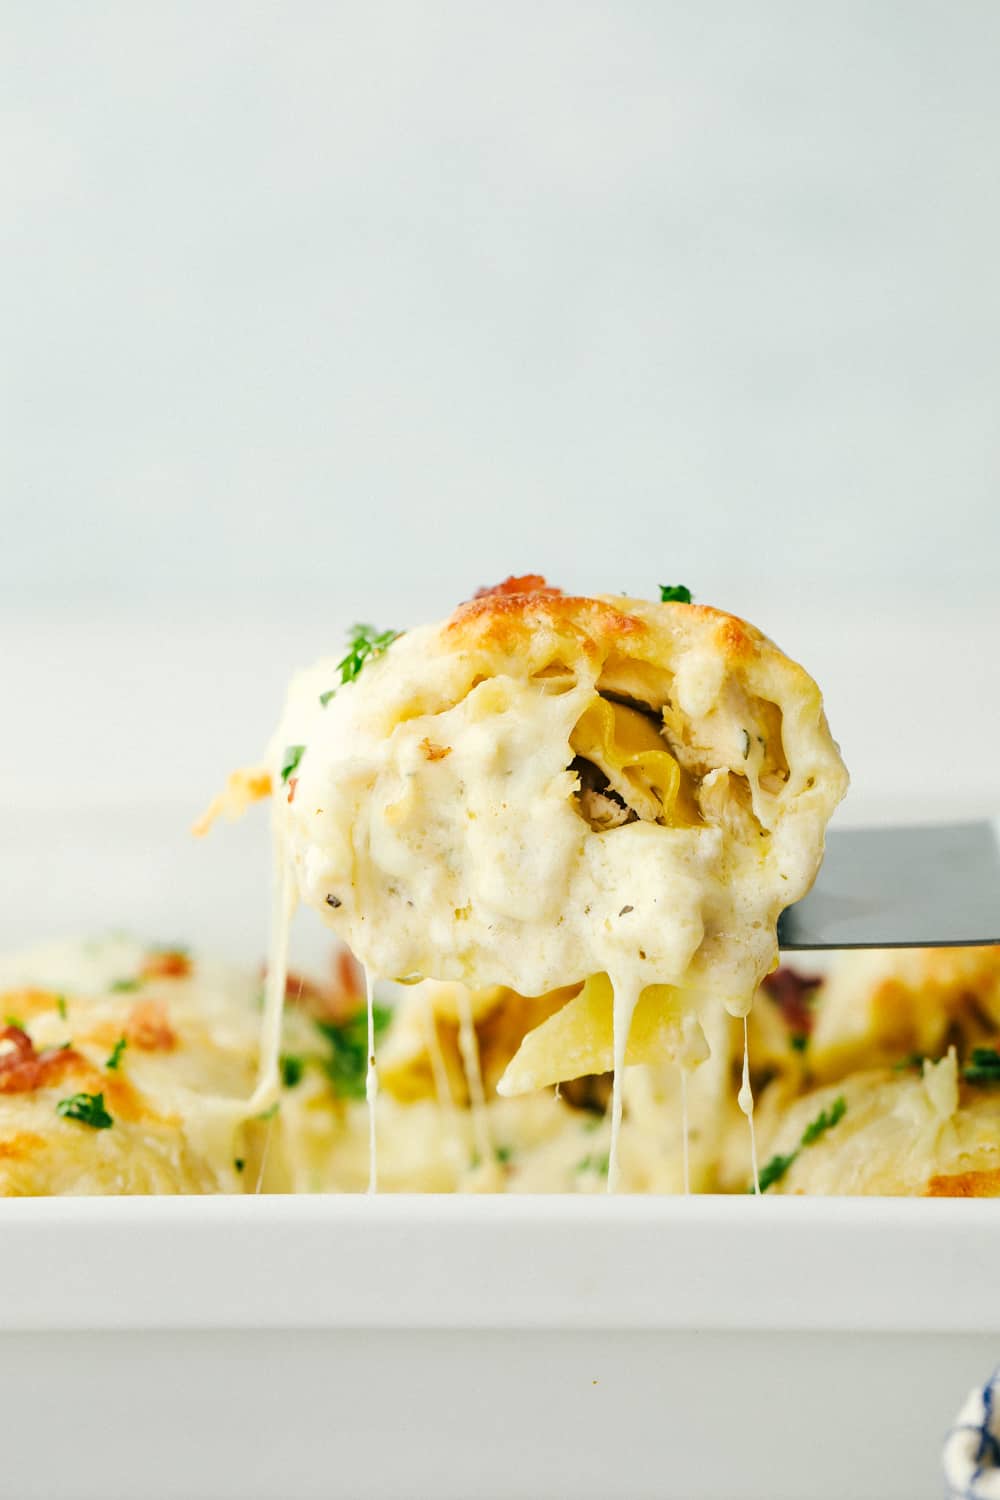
[
  {"x": 115, "y": 1060},
  {"x": 984, "y": 1067},
  {"x": 61, "y": 1006},
  {"x": 594, "y": 1164},
  {"x": 125, "y": 986},
  {"x": 324, "y": 698},
  {"x": 798, "y": 1041},
  {"x": 346, "y": 1064},
  {"x": 674, "y": 593},
  {"x": 364, "y": 643},
  {"x": 239, "y": 1163},
  {"x": 825, "y": 1120},
  {"x": 290, "y": 764},
  {"x": 292, "y": 1069},
  {"x": 87, "y": 1108},
  {"x": 912, "y": 1060},
  {"x": 503, "y": 1154},
  {"x": 14, "y": 1021},
  {"x": 269, "y": 1114},
  {"x": 775, "y": 1169}
]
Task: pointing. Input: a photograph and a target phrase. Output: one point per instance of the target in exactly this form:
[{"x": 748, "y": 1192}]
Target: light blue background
[{"x": 315, "y": 311}]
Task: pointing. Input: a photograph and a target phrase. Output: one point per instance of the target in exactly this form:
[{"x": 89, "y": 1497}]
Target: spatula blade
[{"x": 907, "y": 887}]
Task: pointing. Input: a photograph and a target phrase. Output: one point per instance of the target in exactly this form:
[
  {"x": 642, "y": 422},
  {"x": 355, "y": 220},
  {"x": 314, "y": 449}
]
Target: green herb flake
[
  {"x": 503, "y": 1154},
  {"x": 774, "y": 1170},
  {"x": 290, "y": 763},
  {"x": 87, "y": 1108},
  {"x": 14, "y": 1021},
  {"x": 674, "y": 593},
  {"x": 125, "y": 986},
  {"x": 912, "y": 1060},
  {"x": 239, "y": 1163},
  {"x": 292, "y": 1069},
  {"x": 114, "y": 1062},
  {"x": 598, "y": 1164},
  {"x": 324, "y": 698},
  {"x": 825, "y": 1120},
  {"x": 61, "y": 1007},
  {"x": 269, "y": 1114},
  {"x": 799, "y": 1041},
  {"x": 984, "y": 1066},
  {"x": 346, "y": 1064},
  {"x": 364, "y": 644}
]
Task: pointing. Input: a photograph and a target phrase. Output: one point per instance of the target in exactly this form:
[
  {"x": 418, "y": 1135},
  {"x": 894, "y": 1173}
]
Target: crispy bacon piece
[
  {"x": 169, "y": 963},
  {"x": 528, "y": 583},
  {"x": 335, "y": 1001},
  {"x": 22, "y": 1069},
  {"x": 148, "y": 1027},
  {"x": 791, "y": 993}
]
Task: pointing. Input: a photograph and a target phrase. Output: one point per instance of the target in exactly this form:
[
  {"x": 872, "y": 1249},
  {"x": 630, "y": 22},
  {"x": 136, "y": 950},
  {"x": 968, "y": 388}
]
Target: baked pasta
[
  {"x": 543, "y": 792},
  {"x": 126, "y": 1068}
]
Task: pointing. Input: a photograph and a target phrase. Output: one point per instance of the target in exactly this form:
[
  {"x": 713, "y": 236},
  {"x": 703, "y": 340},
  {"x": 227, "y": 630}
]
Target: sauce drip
[{"x": 745, "y": 1101}]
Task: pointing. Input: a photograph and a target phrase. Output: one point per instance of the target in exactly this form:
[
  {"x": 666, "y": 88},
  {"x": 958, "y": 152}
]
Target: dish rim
[{"x": 411, "y": 1261}]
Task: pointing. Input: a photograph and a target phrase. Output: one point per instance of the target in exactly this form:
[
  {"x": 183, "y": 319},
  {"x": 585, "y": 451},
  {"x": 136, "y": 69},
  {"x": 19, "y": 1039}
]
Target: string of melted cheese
[
  {"x": 625, "y": 1001},
  {"x": 266, "y": 1094},
  {"x": 371, "y": 1084},
  {"x": 745, "y": 1101},
  {"x": 468, "y": 1046}
]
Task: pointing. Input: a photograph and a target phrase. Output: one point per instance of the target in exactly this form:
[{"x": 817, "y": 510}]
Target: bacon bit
[
  {"x": 171, "y": 963},
  {"x": 335, "y": 1001},
  {"x": 348, "y": 975},
  {"x": 241, "y": 789},
  {"x": 434, "y": 752},
  {"x": 293, "y": 782},
  {"x": 792, "y": 994},
  {"x": 149, "y": 1029},
  {"x": 528, "y": 583},
  {"x": 302, "y": 991},
  {"x": 22, "y": 1069}
]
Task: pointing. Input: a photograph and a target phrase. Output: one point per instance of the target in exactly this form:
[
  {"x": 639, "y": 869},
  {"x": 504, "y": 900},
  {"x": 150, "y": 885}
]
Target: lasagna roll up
[{"x": 544, "y": 791}]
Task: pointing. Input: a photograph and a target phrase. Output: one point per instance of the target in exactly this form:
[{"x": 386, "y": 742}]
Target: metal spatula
[{"x": 932, "y": 887}]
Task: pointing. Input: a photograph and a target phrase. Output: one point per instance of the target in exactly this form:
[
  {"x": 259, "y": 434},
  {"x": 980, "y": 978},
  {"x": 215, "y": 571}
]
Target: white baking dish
[
  {"x": 490, "y": 1347},
  {"x": 230, "y": 1349}
]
